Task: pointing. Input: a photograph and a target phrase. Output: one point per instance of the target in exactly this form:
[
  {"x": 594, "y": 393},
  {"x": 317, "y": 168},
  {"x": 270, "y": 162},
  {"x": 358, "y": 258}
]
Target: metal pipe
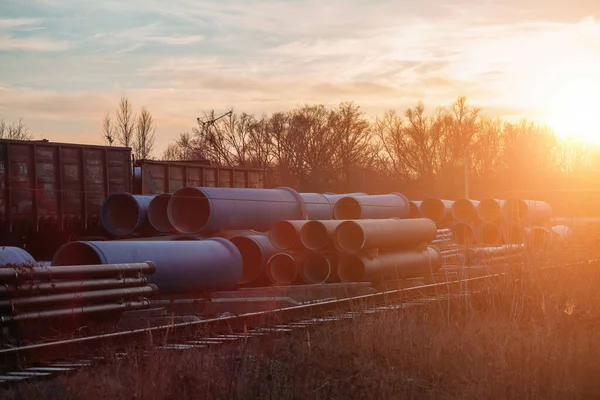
[
  {"x": 464, "y": 233},
  {"x": 37, "y": 288},
  {"x": 122, "y": 214},
  {"x": 465, "y": 210},
  {"x": 28, "y": 303},
  {"x": 561, "y": 232},
  {"x": 75, "y": 311},
  {"x": 318, "y": 235},
  {"x": 530, "y": 212},
  {"x": 316, "y": 268},
  {"x": 372, "y": 207},
  {"x": 490, "y": 210},
  {"x": 10, "y": 256},
  {"x": 537, "y": 237},
  {"x": 389, "y": 265},
  {"x": 76, "y": 270},
  {"x": 352, "y": 237},
  {"x": 285, "y": 235},
  {"x": 283, "y": 268},
  {"x": 494, "y": 251},
  {"x": 157, "y": 213},
  {"x": 514, "y": 234},
  {"x": 256, "y": 250},
  {"x": 488, "y": 234},
  {"x": 320, "y": 206},
  {"x": 415, "y": 212},
  {"x": 209, "y": 209},
  {"x": 437, "y": 210},
  {"x": 181, "y": 266}
]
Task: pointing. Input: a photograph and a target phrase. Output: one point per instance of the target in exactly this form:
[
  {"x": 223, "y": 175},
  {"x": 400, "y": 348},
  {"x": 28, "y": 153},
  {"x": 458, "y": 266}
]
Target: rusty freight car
[{"x": 52, "y": 192}]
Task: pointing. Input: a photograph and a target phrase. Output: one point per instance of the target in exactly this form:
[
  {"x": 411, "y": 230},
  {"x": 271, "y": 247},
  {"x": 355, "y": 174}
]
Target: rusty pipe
[
  {"x": 465, "y": 210},
  {"x": 490, "y": 210},
  {"x": 285, "y": 235},
  {"x": 318, "y": 235},
  {"x": 76, "y": 271},
  {"x": 488, "y": 234},
  {"x": 464, "y": 233},
  {"x": 316, "y": 268},
  {"x": 437, "y": 210},
  {"x": 256, "y": 250},
  {"x": 36, "y": 288},
  {"x": 283, "y": 268},
  {"x": 157, "y": 213}
]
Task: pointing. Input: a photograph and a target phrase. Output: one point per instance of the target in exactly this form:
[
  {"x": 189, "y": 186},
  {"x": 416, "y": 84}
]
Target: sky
[{"x": 65, "y": 63}]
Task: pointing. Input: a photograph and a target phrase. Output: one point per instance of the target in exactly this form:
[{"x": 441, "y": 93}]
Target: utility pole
[{"x": 466, "y": 161}]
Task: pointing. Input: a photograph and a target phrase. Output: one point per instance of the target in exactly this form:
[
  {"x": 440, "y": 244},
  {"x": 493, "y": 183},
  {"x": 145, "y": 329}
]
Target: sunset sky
[{"x": 64, "y": 63}]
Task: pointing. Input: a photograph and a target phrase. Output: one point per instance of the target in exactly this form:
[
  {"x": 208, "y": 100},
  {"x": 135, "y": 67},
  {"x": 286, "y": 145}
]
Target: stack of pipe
[
  {"x": 494, "y": 254},
  {"x": 353, "y": 250},
  {"x": 29, "y": 291}
]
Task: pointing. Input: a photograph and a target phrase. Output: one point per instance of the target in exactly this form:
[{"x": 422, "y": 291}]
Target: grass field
[{"x": 534, "y": 335}]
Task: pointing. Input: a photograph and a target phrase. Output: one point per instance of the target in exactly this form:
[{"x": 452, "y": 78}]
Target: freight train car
[{"x": 51, "y": 192}]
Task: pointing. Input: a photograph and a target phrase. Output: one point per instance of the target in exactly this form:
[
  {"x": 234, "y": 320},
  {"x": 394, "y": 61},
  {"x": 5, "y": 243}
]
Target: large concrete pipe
[
  {"x": 10, "y": 256},
  {"x": 157, "y": 213},
  {"x": 465, "y": 210},
  {"x": 209, "y": 209},
  {"x": 372, "y": 207},
  {"x": 537, "y": 237},
  {"x": 256, "y": 250},
  {"x": 122, "y": 214},
  {"x": 320, "y": 206},
  {"x": 529, "y": 212},
  {"x": 389, "y": 265},
  {"x": 352, "y": 237},
  {"x": 437, "y": 210},
  {"x": 488, "y": 234},
  {"x": 561, "y": 232},
  {"x": 283, "y": 268},
  {"x": 514, "y": 234},
  {"x": 463, "y": 233},
  {"x": 318, "y": 235},
  {"x": 490, "y": 210},
  {"x": 415, "y": 212},
  {"x": 316, "y": 268},
  {"x": 181, "y": 266},
  {"x": 285, "y": 235}
]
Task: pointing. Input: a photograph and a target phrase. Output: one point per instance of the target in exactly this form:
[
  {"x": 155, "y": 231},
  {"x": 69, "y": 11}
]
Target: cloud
[
  {"x": 18, "y": 22},
  {"x": 8, "y": 43}
]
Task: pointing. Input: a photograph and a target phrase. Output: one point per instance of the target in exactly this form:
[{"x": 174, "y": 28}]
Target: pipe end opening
[
  {"x": 189, "y": 210},
  {"x": 347, "y": 208}
]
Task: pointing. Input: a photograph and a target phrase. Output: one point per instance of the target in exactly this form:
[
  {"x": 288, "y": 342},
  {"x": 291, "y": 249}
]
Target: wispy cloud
[
  {"x": 18, "y": 22},
  {"x": 8, "y": 43}
]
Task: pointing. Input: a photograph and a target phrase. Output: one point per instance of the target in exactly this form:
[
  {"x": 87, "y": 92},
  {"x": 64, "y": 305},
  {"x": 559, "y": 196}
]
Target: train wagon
[{"x": 51, "y": 193}]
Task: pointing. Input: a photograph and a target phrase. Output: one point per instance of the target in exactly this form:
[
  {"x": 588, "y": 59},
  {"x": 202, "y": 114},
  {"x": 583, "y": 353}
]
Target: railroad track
[{"x": 46, "y": 360}]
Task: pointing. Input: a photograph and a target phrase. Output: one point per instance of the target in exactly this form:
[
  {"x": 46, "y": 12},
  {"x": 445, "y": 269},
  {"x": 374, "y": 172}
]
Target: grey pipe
[
  {"x": 320, "y": 206},
  {"x": 352, "y": 237},
  {"x": 10, "y": 255},
  {"x": 37, "y": 288},
  {"x": 465, "y": 210},
  {"x": 372, "y": 207},
  {"x": 537, "y": 237},
  {"x": 514, "y": 234},
  {"x": 76, "y": 311},
  {"x": 437, "y": 210},
  {"x": 256, "y": 250},
  {"x": 181, "y": 266},
  {"x": 157, "y": 213},
  {"x": 530, "y": 212},
  {"x": 122, "y": 214},
  {"x": 490, "y": 210},
  {"x": 389, "y": 265},
  {"x": 464, "y": 233},
  {"x": 209, "y": 209},
  {"x": 316, "y": 268},
  {"x": 28, "y": 303},
  {"x": 318, "y": 235},
  {"x": 283, "y": 268},
  {"x": 415, "y": 211},
  {"x": 488, "y": 234},
  {"x": 285, "y": 235},
  {"x": 76, "y": 270}
]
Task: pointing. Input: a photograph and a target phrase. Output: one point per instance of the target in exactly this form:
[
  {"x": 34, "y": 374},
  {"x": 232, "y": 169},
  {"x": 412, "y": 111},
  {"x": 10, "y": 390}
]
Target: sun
[{"x": 573, "y": 107}]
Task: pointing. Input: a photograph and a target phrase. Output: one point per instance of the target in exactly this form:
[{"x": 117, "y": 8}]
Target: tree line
[
  {"x": 318, "y": 148},
  {"x": 130, "y": 130}
]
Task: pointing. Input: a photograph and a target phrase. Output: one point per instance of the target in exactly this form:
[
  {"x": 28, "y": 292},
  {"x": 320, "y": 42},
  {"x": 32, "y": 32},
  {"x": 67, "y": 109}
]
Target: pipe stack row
[
  {"x": 29, "y": 291},
  {"x": 352, "y": 250},
  {"x": 493, "y": 222}
]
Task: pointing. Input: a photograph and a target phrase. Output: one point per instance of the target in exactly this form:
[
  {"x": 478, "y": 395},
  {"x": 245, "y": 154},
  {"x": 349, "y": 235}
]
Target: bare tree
[
  {"x": 15, "y": 130},
  {"x": 125, "y": 123},
  {"x": 108, "y": 129},
  {"x": 144, "y": 139}
]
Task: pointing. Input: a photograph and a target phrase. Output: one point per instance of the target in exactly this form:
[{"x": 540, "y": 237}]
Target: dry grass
[{"x": 531, "y": 336}]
